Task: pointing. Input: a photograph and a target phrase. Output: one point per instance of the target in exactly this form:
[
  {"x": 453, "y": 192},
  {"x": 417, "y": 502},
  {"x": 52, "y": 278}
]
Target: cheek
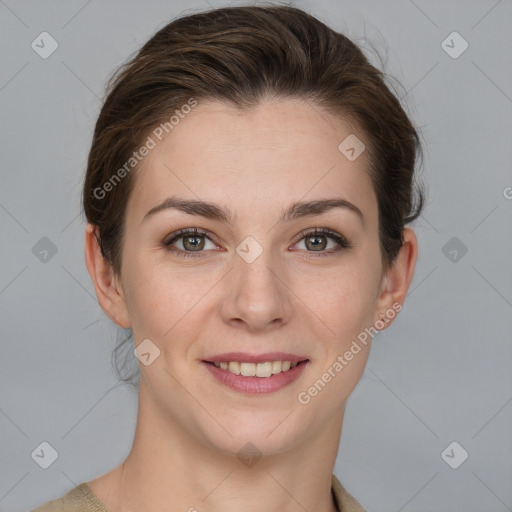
[
  {"x": 346, "y": 309},
  {"x": 150, "y": 298},
  {"x": 162, "y": 299},
  {"x": 345, "y": 299}
]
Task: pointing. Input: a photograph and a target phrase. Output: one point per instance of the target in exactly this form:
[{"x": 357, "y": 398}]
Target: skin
[{"x": 291, "y": 299}]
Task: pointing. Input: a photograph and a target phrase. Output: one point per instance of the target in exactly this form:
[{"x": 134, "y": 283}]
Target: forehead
[{"x": 259, "y": 159}]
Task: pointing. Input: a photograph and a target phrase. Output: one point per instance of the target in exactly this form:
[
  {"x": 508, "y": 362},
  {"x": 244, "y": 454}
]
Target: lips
[
  {"x": 256, "y": 373},
  {"x": 256, "y": 384}
]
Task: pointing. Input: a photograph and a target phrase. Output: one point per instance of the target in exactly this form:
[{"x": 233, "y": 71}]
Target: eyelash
[{"x": 343, "y": 243}]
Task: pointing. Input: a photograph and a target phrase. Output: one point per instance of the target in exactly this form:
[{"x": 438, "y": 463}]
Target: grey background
[{"x": 440, "y": 373}]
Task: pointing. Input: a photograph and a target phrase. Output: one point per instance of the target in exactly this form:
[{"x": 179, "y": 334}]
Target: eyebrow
[{"x": 212, "y": 211}]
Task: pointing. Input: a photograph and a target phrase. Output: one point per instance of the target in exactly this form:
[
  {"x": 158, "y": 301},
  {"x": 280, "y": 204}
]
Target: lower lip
[{"x": 256, "y": 385}]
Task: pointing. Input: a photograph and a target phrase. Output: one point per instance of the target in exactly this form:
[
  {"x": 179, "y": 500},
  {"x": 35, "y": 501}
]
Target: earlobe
[
  {"x": 395, "y": 283},
  {"x": 108, "y": 289}
]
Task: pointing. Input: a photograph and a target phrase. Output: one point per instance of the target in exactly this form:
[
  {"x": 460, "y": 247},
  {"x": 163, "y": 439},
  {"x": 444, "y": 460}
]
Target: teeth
[
  {"x": 234, "y": 367},
  {"x": 248, "y": 369},
  {"x": 265, "y": 369}
]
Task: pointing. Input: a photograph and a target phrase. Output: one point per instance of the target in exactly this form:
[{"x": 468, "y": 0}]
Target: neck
[{"x": 169, "y": 465}]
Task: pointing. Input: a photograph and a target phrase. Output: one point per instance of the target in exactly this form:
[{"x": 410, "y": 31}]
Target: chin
[{"x": 264, "y": 437}]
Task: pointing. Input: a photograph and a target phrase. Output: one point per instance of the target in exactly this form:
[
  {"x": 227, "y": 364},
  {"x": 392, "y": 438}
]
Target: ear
[
  {"x": 108, "y": 288},
  {"x": 396, "y": 281}
]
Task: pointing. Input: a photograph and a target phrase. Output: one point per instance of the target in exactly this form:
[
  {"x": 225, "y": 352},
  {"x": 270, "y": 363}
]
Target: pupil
[
  {"x": 199, "y": 242},
  {"x": 315, "y": 244}
]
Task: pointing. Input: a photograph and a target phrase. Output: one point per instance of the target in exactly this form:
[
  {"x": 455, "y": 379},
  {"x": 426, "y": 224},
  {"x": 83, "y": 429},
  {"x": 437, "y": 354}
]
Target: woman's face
[{"x": 257, "y": 282}]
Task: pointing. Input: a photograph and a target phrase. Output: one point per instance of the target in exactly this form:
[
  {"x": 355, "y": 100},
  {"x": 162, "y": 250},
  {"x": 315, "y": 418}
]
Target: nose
[{"x": 257, "y": 297}]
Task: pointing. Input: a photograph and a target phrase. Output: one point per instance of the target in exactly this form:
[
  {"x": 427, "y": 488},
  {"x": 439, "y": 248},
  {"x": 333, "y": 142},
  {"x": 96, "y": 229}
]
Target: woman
[{"x": 247, "y": 191}]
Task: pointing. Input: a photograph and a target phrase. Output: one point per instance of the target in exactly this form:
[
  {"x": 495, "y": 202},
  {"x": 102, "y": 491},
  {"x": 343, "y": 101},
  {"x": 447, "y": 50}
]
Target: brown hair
[{"x": 242, "y": 55}]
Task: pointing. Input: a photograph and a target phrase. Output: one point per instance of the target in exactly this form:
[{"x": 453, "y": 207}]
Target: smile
[
  {"x": 265, "y": 370},
  {"x": 256, "y": 378}
]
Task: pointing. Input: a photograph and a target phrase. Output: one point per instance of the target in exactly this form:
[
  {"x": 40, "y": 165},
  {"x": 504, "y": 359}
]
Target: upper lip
[{"x": 243, "y": 357}]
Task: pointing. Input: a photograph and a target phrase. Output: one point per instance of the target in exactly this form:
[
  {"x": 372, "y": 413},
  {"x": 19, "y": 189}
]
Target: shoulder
[
  {"x": 345, "y": 501},
  {"x": 80, "y": 498},
  {"x": 51, "y": 506}
]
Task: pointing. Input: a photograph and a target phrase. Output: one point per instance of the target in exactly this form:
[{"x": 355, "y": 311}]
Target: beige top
[{"x": 81, "y": 499}]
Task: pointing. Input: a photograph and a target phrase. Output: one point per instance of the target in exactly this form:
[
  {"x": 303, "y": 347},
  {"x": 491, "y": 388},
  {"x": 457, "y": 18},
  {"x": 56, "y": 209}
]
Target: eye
[
  {"x": 188, "y": 241},
  {"x": 191, "y": 240},
  {"x": 316, "y": 240}
]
